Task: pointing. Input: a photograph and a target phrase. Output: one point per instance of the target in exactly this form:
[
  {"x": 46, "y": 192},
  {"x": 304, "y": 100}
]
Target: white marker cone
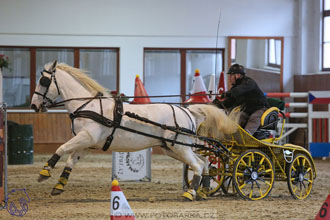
[{"x": 120, "y": 208}]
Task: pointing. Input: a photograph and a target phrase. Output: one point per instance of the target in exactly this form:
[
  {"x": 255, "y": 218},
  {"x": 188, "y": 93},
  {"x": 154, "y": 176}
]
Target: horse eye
[{"x": 45, "y": 82}]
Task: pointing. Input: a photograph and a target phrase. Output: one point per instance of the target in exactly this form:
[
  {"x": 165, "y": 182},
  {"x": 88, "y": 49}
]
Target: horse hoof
[
  {"x": 42, "y": 178},
  {"x": 188, "y": 196},
  {"x": 56, "y": 192},
  {"x": 201, "y": 196},
  {"x": 44, "y": 175}
]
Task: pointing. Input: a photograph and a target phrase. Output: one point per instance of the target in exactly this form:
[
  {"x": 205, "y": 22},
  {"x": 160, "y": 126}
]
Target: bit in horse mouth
[{"x": 43, "y": 108}]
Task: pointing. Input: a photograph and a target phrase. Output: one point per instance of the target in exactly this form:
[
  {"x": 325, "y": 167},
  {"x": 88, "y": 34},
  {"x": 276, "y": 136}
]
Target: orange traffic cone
[
  {"x": 199, "y": 90},
  {"x": 221, "y": 85},
  {"x": 140, "y": 91},
  {"x": 324, "y": 213},
  {"x": 120, "y": 208}
]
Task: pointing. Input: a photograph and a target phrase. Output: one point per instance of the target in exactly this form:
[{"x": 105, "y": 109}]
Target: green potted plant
[{"x": 3, "y": 61}]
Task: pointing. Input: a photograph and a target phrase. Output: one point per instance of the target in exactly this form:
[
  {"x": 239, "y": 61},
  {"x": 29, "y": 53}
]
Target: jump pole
[{"x": 3, "y": 155}]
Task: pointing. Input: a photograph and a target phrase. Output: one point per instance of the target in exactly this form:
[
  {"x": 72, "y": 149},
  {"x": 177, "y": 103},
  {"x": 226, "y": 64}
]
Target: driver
[{"x": 246, "y": 94}]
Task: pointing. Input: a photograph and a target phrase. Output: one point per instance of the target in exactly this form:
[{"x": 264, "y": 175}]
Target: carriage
[
  {"x": 103, "y": 121},
  {"x": 252, "y": 164}
]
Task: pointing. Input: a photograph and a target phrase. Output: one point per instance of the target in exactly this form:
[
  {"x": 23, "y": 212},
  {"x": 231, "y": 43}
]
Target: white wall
[
  {"x": 309, "y": 36},
  {"x": 133, "y": 25}
]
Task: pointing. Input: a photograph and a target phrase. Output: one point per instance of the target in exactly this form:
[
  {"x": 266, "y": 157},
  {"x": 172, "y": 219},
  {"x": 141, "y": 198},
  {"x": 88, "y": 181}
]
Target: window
[
  {"x": 233, "y": 51},
  {"x": 102, "y": 64},
  {"x": 205, "y": 61},
  {"x": 16, "y": 79},
  {"x": 326, "y": 36},
  {"x": 274, "y": 53},
  {"x": 48, "y": 55},
  {"x": 162, "y": 74},
  {"x": 25, "y": 65},
  {"x": 171, "y": 71}
]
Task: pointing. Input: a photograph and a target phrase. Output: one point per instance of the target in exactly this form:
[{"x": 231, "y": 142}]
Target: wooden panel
[
  {"x": 47, "y": 127},
  {"x": 315, "y": 82},
  {"x": 266, "y": 80}
]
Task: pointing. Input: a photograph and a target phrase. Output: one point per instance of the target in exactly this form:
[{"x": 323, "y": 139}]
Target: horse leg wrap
[
  {"x": 63, "y": 180},
  {"x": 195, "y": 182},
  {"x": 206, "y": 183},
  {"x": 53, "y": 160}
]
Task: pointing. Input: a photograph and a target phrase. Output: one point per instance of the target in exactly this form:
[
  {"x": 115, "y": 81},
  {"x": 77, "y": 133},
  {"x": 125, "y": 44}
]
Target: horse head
[{"x": 46, "y": 90}]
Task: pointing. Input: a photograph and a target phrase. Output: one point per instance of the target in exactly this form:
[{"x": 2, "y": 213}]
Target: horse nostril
[{"x": 34, "y": 107}]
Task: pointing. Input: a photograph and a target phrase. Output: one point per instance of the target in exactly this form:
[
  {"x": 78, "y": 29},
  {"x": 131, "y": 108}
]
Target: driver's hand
[{"x": 218, "y": 103}]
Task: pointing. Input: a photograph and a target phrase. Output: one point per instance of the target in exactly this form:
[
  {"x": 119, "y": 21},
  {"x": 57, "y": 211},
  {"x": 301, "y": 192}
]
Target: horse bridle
[{"x": 46, "y": 82}]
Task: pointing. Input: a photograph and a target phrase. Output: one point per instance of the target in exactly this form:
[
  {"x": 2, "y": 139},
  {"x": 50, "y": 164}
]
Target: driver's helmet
[{"x": 236, "y": 69}]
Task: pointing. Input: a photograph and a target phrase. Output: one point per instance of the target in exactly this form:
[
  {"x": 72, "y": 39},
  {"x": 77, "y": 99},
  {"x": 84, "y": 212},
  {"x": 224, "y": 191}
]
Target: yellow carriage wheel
[
  {"x": 216, "y": 171},
  {"x": 253, "y": 175},
  {"x": 300, "y": 177}
]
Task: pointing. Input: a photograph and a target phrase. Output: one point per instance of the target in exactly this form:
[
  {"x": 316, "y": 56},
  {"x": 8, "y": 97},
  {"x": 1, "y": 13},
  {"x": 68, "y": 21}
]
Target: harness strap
[
  {"x": 185, "y": 111},
  {"x": 176, "y": 125},
  {"x": 117, "y": 116},
  {"x": 74, "y": 114},
  {"x": 163, "y": 126}
]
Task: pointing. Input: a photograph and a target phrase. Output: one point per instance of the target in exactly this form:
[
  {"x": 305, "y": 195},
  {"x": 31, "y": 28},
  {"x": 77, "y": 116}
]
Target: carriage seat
[{"x": 269, "y": 120}]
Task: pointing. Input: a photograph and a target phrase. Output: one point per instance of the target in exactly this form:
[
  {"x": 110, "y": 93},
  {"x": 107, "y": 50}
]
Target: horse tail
[{"x": 214, "y": 122}]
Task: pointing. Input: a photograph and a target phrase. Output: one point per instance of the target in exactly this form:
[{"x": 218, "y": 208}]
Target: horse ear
[{"x": 53, "y": 68}]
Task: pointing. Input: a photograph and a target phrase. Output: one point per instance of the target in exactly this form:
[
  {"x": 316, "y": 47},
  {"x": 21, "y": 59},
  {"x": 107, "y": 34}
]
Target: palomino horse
[{"x": 101, "y": 122}]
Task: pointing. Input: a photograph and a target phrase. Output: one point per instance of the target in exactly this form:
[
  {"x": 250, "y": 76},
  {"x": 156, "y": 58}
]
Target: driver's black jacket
[{"x": 245, "y": 93}]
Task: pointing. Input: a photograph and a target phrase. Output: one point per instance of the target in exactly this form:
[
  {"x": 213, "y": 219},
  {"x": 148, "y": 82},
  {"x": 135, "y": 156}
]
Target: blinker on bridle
[{"x": 45, "y": 82}]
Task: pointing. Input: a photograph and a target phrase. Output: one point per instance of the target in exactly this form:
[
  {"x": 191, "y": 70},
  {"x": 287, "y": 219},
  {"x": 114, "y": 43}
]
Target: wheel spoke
[
  {"x": 215, "y": 180},
  {"x": 251, "y": 192},
  {"x": 261, "y": 161},
  {"x": 250, "y": 195},
  {"x": 303, "y": 162},
  {"x": 307, "y": 170},
  {"x": 257, "y": 184},
  {"x": 241, "y": 186},
  {"x": 244, "y": 162},
  {"x": 261, "y": 179},
  {"x": 268, "y": 171},
  {"x": 268, "y": 183},
  {"x": 252, "y": 157},
  {"x": 298, "y": 162},
  {"x": 239, "y": 174},
  {"x": 306, "y": 191}
]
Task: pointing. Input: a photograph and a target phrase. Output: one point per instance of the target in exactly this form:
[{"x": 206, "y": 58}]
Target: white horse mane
[{"x": 81, "y": 76}]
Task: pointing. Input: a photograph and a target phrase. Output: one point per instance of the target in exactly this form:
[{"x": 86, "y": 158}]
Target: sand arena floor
[{"x": 87, "y": 194}]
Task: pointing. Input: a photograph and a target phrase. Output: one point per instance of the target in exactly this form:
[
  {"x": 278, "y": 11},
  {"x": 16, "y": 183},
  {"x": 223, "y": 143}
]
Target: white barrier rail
[{"x": 292, "y": 126}]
